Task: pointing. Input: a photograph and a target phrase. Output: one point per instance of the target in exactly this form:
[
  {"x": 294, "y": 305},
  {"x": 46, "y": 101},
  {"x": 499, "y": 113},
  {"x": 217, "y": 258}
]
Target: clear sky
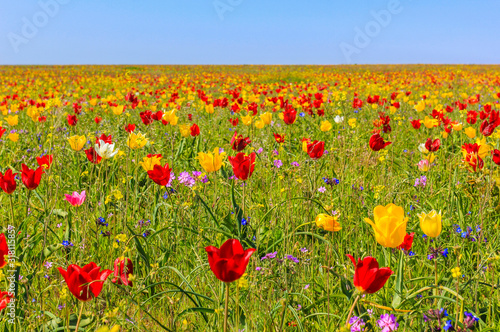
[{"x": 249, "y": 31}]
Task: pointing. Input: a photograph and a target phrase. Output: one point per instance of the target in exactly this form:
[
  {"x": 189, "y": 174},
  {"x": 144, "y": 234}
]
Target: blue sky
[{"x": 249, "y": 32}]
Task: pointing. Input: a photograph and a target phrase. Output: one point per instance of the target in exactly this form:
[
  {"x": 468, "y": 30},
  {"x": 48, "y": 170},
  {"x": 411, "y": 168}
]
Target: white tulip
[
  {"x": 422, "y": 148},
  {"x": 338, "y": 119},
  {"x": 106, "y": 150}
]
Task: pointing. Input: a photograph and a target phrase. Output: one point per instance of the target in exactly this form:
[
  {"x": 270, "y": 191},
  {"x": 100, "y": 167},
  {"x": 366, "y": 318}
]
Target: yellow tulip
[
  {"x": 14, "y": 137},
  {"x": 34, "y": 113},
  {"x": 328, "y": 223},
  {"x": 117, "y": 110},
  {"x": 430, "y": 223},
  {"x": 259, "y": 124},
  {"x": 12, "y": 120},
  {"x": 325, "y": 126},
  {"x": 266, "y": 118},
  {"x": 484, "y": 148},
  {"x": 389, "y": 225},
  {"x": 457, "y": 127},
  {"x": 148, "y": 163},
  {"x": 247, "y": 120},
  {"x": 430, "y": 157},
  {"x": 305, "y": 141},
  {"x": 136, "y": 141},
  {"x": 304, "y": 146},
  {"x": 420, "y": 106},
  {"x": 211, "y": 161},
  {"x": 77, "y": 142},
  {"x": 209, "y": 109},
  {"x": 115, "y": 328},
  {"x": 185, "y": 130},
  {"x": 352, "y": 122},
  {"x": 170, "y": 117},
  {"x": 430, "y": 122},
  {"x": 470, "y": 132}
]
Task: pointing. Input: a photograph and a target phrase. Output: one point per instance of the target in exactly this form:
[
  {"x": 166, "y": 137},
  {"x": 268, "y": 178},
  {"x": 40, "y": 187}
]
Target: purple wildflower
[
  {"x": 357, "y": 324},
  {"x": 388, "y": 323}
]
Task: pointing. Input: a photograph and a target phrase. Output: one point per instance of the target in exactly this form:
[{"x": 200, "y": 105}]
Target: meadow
[{"x": 345, "y": 198}]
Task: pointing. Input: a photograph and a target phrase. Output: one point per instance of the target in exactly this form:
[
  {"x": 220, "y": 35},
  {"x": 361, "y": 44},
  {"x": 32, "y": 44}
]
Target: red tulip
[
  {"x": 92, "y": 156},
  {"x": 45, "y": 161},
  {"x": 160, "y": 175},
  {"x": 30, "y": 177},
  {"x": 85, "y": 282},
  {"x": 243, "y": 166},
  {"x": 230, "y": 261},
  {"x": 7, "y": 181},
  {"x": 5, "y": 298},
  {"x": 104, "y": 138},
  {"x": 97, "y": 120},
  {"x": 357, "y": 103},
  {"x": 195, "y": 130},
  {"x": 146, "y": 117},
  {"x": 471, "y": 117},
  {"x": 42, "y": 118},
  {"x": 496, "y": 156},
  {"x": 238, "y": 143},
  {"x": 72, "y": 120},
  {"x": 483, "y": 115},
  {"x": 123, "y": 268},
  {"x": 407, "y": 242},
  {"x": 488, "y": 126},
  {"x": 130, "y": 128},
  {"x": 368, "y": 277},
  {"x": 377, "y": 142},
  {"x": 77, "y": 108},
  {"x": 279, "y": 138},
  {"x": 416, "y": 124},
  {"x": 4, "y": 250},
  {"x": 432, "y": 146},
  {"x": 234, "y": 122},
  {"x": 157, "y": 116},
  {"x": 2, "y": 131},
  {"x": 315, "y": 149},
  {"x": 472, "y": 158},
  {"x": 289, "y": 116}
]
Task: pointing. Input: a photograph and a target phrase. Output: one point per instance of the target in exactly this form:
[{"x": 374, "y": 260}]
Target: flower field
[{"x": 249, "y": 198}]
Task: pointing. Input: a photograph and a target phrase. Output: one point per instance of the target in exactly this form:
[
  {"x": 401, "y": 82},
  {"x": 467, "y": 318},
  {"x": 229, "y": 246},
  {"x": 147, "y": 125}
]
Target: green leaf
[{"x": 396, "y": 301}]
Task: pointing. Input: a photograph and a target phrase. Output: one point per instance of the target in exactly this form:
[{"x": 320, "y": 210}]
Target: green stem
[
  {"x": 226, "y": 307},
  {"x": 11, "y": 209},
  {"x": 351, "y": 310},
  {"x": 283, "y": 315},
  {"x": 28, "y": 203},
  {"x": 79, "y": 317},
  {"x": 435, "y": 279}
]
